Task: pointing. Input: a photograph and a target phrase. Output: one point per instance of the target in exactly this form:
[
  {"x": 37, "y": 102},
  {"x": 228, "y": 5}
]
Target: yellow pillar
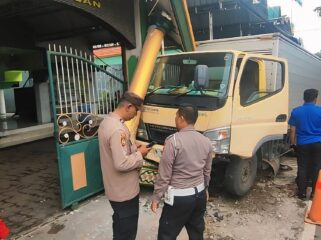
[
  {"x": 189, "y": 24},
  {"x": 147, "y": 61},
  {"x": 144, "y": 71}
]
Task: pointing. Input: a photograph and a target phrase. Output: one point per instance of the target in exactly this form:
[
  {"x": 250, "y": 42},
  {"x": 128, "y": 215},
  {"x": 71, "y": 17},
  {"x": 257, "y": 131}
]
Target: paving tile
[{"x": 29, "y": 189}]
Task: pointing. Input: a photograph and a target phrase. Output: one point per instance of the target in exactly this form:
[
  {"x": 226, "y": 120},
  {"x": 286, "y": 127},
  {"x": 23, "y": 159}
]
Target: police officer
[
  {"x": 305, "y": 131},
  {"x": 184, "y": 175},
  {"x": 120, "y": 164}
]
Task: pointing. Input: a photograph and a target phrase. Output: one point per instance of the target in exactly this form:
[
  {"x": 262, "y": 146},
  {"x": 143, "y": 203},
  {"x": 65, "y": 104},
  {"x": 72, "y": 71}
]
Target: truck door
[{"x": 260, "y": 104}]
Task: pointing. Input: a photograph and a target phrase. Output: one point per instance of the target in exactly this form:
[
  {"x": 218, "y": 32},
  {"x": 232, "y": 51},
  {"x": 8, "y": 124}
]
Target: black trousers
[
  {"x": 186, "y": 211},
  {"x": 309, "y": 164},
  {"x": 125, "y": 219}
]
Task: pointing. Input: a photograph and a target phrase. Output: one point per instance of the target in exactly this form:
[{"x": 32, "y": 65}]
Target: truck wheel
[{"x": 240, "y": 175}]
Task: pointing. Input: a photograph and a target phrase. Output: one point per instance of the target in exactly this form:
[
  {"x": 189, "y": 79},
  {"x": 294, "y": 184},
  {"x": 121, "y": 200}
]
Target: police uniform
[
  {"x": 185, "y": 167},
  {"x": 120, "y": 162}
]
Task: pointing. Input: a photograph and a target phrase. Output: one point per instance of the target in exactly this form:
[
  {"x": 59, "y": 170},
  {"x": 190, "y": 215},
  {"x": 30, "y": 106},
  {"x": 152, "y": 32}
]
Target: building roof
[{"x": 107, "y": 52}]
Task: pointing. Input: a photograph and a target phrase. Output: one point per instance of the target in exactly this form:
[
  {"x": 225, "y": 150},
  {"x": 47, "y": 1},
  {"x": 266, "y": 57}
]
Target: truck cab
[{"x": 243, "y": 106}]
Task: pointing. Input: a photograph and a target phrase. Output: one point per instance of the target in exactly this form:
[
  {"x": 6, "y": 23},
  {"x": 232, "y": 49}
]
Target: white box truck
[
  {"x": 244, "y": 88},
  {"x": 304, "y": 67}
]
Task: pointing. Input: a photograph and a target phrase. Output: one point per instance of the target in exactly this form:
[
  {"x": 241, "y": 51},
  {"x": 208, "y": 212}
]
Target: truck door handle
[{"x": 281, "y": 118}]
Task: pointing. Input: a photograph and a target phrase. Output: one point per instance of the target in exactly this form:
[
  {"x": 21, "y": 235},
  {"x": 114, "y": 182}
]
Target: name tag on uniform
[{"x": 169, "y": 196}]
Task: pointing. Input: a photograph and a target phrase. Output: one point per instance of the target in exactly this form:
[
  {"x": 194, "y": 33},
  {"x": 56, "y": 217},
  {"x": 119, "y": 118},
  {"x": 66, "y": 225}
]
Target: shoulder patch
[
  {"x": 123, "y": 139},
  {"x": 169, "y": 137}
]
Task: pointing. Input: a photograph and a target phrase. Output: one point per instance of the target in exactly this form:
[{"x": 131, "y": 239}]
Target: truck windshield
[{"x": 177, "y": 79}]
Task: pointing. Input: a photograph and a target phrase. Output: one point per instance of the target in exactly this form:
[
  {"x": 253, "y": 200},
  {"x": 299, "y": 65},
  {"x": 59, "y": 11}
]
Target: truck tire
[{"x": 240, "y": 175}]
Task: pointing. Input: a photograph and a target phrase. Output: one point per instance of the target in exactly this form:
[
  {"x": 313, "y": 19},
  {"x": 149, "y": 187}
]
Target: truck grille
[{"x": 159, "y": 133}]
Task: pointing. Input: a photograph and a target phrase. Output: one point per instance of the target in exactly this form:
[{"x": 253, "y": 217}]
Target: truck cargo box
[{"x": 304, "y": 67}]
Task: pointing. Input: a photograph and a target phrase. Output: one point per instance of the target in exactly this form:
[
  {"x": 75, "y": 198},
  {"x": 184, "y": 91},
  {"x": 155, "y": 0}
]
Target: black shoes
[
  {"x": 311, "y": 196},
  {"x": 302, "y": 196}
]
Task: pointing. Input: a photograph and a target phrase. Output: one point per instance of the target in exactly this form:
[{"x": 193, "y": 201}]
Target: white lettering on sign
[
  {"x": 151, "y": 110},
  {"x": 92, "y": 3}
]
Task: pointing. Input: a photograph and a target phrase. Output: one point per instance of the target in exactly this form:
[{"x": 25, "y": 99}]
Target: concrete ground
[
  {"x": 93, "y": 221},
  {"x": 269, "y": 212},
  {"x": 311, "y": 231},
  {"x": 30, "y": 205},
  {"x": 29, "y": 190}
]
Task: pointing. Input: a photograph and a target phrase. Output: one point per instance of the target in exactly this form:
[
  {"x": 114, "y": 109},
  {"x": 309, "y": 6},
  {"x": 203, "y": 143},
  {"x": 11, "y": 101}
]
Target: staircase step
[{"x": 24, "y": 135}]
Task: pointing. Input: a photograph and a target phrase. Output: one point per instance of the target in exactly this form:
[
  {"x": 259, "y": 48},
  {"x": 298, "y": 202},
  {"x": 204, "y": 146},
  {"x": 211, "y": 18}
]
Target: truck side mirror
[{"x": 201, "y": 77}]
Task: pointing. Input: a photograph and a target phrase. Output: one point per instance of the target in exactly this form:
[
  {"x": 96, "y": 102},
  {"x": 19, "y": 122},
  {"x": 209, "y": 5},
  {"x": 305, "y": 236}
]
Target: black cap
[{"x": 133, "y": 98}]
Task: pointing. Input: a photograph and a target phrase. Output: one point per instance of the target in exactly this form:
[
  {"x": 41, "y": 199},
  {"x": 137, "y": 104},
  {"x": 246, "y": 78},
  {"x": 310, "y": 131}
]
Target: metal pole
[
  {"x": 147, "y": 60},
  {"x": 163, "y": 48},
  {"x": 144, "y": 71},
  {"x": 210, "y": 24},
  {"x": 2, "y": 104}
]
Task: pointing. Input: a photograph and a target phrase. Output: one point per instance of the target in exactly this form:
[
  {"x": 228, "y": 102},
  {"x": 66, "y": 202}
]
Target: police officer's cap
[{"x": 133, "y": 98}]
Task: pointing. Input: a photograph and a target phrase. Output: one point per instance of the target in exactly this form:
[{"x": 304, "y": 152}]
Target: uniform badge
[{"x": 123, "y": 139}]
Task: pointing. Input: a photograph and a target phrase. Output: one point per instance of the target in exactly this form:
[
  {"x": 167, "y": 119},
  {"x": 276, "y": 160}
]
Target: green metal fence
[{"x": 82, "y": 93}]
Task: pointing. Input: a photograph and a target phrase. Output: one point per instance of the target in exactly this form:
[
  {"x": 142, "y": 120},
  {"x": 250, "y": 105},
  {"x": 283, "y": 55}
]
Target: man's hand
[
  {"x": 154, "y": 206},
  {"x": 294, "y": 147},
  {"x": 143, "y": 150}
]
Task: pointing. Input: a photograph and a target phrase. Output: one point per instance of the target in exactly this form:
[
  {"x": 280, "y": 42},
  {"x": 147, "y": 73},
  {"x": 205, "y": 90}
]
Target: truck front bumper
[{"x": 149, "y": 170}]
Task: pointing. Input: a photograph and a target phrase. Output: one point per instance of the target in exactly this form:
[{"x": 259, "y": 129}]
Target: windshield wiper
[
  {"x": 212, "y": 90},
  {"x": 154, "y": 90},
  {"x": 175, "y": 88},
  {"x": 203, "y": 92},
  {"x": 182, "y": 94}
]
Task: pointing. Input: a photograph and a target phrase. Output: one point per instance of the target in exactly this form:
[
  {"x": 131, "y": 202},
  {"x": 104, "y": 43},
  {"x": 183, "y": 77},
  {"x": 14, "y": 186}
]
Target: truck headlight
[
  {"x": 142, "y": 131},
  {"x": 220, "y": 139}
]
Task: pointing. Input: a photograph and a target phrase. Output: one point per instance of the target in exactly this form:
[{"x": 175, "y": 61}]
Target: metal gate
[{"x": 82, "y": 93}]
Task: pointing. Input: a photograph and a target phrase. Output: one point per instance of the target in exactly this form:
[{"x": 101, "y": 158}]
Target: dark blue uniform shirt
[{"x": 307, "y": 120}]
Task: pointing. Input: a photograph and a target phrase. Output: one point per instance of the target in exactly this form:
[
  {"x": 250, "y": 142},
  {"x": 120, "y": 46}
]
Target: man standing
[
  {"x": 305, "y": 131},
  {"x": 120, "y": 164},
  {"x": 184, "y": 175}
]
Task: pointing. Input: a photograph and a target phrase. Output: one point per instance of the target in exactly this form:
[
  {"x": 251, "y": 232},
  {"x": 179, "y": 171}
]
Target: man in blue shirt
[{"x": 305, "y": 136}]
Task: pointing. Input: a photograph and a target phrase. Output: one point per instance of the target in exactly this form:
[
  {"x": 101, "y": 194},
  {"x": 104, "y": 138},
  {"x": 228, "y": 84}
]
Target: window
[
  {"x": 260, "y": 79},
  {"x": 178, "y": 72}
]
